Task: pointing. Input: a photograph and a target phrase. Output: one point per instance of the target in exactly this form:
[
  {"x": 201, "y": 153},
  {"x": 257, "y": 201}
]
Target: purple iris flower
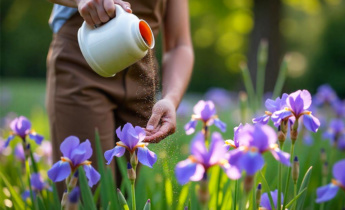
[
  {"x": 339, "y": 108},
  {"x": 328, "y": 192},
  {"x": 21, "y": 127},
  {"x": 335, "y": 131},
  {"x": 204, "y": 111},
  {"x": 37, "y": 184},
  {"x": 265, "y": 201},
  {"x": 221, "y": 97},
  {"x": 131, "y": 139},
  {"x": 325, "y": 95},
  {"x": 298, "y": 104},
  {"x": 234, "y": 143},
  {"x": 272, "y": 106},
  {"x": 75, "y": 154},
  {"x": 19, "y": 152},
  {"x": 254, "y": 140},
  {"x": 201, "y": 159}
]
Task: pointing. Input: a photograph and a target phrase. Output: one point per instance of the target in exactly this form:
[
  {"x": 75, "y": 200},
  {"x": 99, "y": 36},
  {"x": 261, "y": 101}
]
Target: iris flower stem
[
  {"x": 280, "y": 179},
  {"x": 294, "y": 194},
  {"x": 324, "y": 182},
  {"x": 289, "y": 174},
  {"x": 235, "y": 197},
  {"x": 133, "y": 194}
]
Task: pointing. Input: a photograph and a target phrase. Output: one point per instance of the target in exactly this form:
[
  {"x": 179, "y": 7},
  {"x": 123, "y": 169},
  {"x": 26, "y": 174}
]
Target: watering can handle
[{"x": 119, "y": 10}]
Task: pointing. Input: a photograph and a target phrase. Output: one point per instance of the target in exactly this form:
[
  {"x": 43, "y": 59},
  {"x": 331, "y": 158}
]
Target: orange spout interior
[{"x": 146, "y": 33}]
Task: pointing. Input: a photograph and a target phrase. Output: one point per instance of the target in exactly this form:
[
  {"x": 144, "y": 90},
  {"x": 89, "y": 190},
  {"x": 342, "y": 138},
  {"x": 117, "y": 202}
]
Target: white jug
[{"x": 114, "y": 46}]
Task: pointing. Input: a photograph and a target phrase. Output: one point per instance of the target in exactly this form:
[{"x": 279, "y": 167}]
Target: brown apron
[{"x": 79, "y": 100}]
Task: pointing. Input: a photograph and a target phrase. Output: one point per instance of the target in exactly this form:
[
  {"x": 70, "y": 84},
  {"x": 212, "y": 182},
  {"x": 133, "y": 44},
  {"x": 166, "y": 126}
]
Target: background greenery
[{"x": 223, "y": 33}]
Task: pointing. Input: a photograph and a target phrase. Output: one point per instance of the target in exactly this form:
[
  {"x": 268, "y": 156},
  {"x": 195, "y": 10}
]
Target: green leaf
[
  {"x": 147, "y": 205},
  {"x": 168, "y": 192},
  {"x": 304, "y": 185},
  {"x": 104, "y": 186},
  {"x": 56, "y": 199},
  {"x": 123, "y": 169},
  {"x": 183, "y": 196},
  {"x": 268, "y": 190},
  {"x": 33, "y": 162},
  {"x": 40, "y": 203},
  {"x": 86, "y": 194},
  {"x": 122, "y": 200},
  {"x": 18, "y": 202},
  {"x": 295, "y": 198},
  {"x": 281, "y": 79}
]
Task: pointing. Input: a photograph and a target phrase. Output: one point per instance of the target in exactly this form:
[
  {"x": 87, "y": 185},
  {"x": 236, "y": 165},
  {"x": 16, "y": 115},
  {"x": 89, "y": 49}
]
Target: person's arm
[
  {"x": 178, "y": 60},
  {"x": 95, "y": 12}
]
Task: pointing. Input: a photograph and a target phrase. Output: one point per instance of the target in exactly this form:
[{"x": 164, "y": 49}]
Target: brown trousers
[{"x": 79, "y": 100}]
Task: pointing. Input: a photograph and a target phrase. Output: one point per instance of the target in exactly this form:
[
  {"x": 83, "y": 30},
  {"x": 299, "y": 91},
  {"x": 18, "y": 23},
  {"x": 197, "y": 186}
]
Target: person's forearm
[
  {"x": 68, "y": 3},
  {"x": 177, "y": 71}
]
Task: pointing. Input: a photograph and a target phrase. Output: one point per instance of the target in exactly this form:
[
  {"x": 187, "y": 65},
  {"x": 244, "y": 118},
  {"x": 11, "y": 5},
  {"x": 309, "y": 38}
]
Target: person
[{"x": 79, "y": 100}]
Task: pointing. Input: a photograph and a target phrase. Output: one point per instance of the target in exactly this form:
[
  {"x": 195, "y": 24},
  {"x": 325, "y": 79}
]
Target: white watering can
[{"x": 114, "y": 46}]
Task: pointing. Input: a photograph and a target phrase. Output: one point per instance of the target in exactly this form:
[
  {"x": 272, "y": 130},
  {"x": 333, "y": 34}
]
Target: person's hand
[
  {"x": 162, "y": 122},
  {"x": 96, "y": 12}
]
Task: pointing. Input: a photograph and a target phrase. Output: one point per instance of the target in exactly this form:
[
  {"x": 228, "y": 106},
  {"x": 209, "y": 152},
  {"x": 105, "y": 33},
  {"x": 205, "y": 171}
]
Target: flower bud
[
  {"x": 147, "y": 205},
  {"x": 130, "y": 172},
  {"x": 73, "y": 182},
  {"x": 248, "y": 183},
  {"x": 73, "y": 199},
  {"x": 294, "y": 132},
  {"x": 284, "y": 126},
  {"x": 204, "y": 195},
  {"x": 323, "y": 155},
  {"x": 295, "y": 170},
  {"x": 258, "y": 194},
  {"x": 64, "y": 199},
  {"x": 122, "y": 200},
  {"x": 134, "y": 160},
  {"x": 325, "y": 169},
  {"x": 281, "y": 137}
]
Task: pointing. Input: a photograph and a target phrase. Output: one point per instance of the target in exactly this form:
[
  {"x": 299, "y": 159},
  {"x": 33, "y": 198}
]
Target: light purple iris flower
[
  {"x": 201, "y": 159},
  {"x": 335, "y": 131},
  {"x": 339, "y": 108},
  {"x": 298, "y": 104},
  {"x": 234, "y": 143},
  {"x": 272, "y": 106},
  {"x": 265, "y": 201},
  {"x": 325, "y": 95},
  {"x": 220, "y": 96},
  {"x": 328, "y": 192},
  {"x": 37, "y": 184},
  {"x": 21, "y": 127},
  {"x": 75, "y": 154},
  {"x": 131, "y": 139},
  {"x": 254, "y": 140},
  {"x": 19, "y": 152},
  {"x": 204, "y": 111}
]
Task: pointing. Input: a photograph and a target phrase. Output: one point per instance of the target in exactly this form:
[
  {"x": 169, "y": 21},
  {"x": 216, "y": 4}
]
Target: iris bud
[{"x": 295, "y": 170}]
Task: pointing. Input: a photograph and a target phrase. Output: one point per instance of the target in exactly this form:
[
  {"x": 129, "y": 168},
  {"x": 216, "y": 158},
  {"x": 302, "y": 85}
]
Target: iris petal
[
  {"x": 326, "y": 193},
  {"x": 338, "y": 171},
  {"x": 198, "y": 148},
  {"x": 251, "y": 162},
  {"x": 311, "y": 122},
  {"x": 8, "y": 140},
  {"x": 263, "y": 119},
  {"x": 141, "y": 133},
  {"x": 116, "y": 151},
  {"x": 190, "y": 127},
  {"x": 68, "y": 145},
  {"x": 217, "y": 150},
  {"x": 281, "y": 156},
  {"x": 59, "y": 171},
  {"x": 81, "y": 153},
  {"x": 184, "y": 170},
  {"x": 221, "y": 125},
  {"x": 146, "y": 157},
  {"x": 36, "y": 137},
  {"x": 92, "y": 175}
]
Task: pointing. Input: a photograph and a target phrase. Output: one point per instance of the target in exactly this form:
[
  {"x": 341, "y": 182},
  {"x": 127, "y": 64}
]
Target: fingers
[
  {"x": 125, "y": 5},
  {"x": 165, "y": 130},
  {"x": 96, "y": 12}
]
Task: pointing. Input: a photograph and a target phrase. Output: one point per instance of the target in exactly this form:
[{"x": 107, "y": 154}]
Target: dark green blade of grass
[{"x": 86, "y": 194}]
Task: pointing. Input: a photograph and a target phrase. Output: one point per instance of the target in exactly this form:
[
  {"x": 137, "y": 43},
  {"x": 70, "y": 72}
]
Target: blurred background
[{"x": 224, "y": 32}]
